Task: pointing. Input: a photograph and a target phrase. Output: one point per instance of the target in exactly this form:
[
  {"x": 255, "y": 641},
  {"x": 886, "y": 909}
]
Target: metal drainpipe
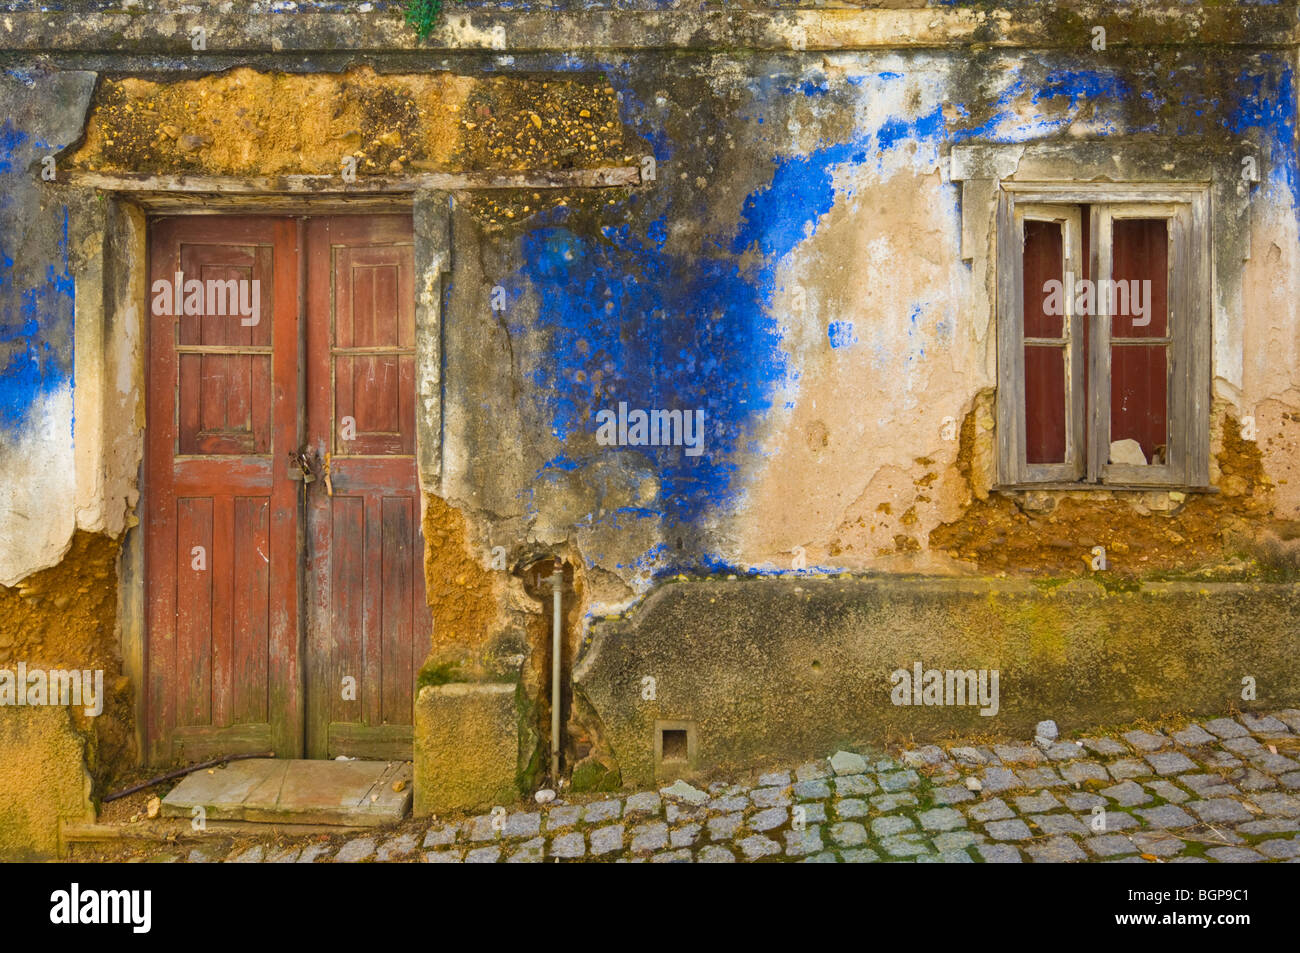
[{"x": 557, "y": 593}]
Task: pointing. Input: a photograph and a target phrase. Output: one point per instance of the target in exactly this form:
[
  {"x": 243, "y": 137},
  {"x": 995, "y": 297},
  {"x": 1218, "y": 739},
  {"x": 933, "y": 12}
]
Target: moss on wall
[{"x": 771, "y": 669}]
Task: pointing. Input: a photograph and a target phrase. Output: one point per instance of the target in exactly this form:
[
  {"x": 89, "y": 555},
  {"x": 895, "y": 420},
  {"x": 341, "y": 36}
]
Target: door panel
[
  {"x": 221, "y": 545},
  {"x": 369, "y": 621}
]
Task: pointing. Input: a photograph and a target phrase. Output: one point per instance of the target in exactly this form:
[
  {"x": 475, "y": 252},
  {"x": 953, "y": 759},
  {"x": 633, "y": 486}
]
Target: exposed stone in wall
[
  {"x": 63, "y": 618},
  {"x": 488, "y": 626},
  {"x": 540, "y": 123},
  {"x": 1053, "y": 533},
  {"x": 465, "y": 746},
  {"x": 498, "y": 211},
  {"x": 464, "y": 595},
  {"x": 247, "y": 122}
]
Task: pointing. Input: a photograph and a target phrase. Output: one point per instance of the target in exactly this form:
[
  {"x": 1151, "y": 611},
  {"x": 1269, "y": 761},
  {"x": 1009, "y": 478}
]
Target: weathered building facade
[{"x": 734, "y": 310}]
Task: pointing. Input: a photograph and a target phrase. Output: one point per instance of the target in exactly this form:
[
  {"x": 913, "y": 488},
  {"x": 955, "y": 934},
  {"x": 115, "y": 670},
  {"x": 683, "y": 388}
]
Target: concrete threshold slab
[{"x": 269, "y": 790}]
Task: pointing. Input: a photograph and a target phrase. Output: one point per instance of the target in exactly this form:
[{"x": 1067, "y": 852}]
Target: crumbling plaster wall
[
  {"x": 796, "y": 271},
  {"x": 44, "y": 111},
  {"x": 70, "y": 440},
  {"x": 793, "y": 270}
]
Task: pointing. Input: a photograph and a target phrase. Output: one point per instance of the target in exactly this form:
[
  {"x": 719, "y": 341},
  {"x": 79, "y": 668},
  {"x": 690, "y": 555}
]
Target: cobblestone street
[{"x": 1218, "y": 790}]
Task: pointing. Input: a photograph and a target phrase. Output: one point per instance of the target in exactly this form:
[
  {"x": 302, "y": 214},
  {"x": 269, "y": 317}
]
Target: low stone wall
[
  {"x": 763, "y": 670},
  {"x": 43, "y": 780},
  {"x": 466, "y": 746}
]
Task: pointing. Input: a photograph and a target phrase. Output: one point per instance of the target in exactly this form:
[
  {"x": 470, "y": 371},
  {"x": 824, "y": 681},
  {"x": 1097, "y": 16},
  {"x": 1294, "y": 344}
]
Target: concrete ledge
[
  {"x": 259, "y": 186},
  {"x": 776, "y": 669},
  {"x": 466, "y": 746},
  {"x": 161, "y": 30}
]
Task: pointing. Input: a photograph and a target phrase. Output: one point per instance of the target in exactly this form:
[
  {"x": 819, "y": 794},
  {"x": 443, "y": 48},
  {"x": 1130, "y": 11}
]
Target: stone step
[{"x": 343, "y": 793}]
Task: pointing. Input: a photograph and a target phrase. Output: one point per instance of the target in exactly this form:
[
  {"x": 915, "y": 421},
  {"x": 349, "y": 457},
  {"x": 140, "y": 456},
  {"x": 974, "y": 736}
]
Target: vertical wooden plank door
[
  {"x": 221, "y": 542},
  {"x": 235, "y": 540},
  {"x": 369, "y": 622}
]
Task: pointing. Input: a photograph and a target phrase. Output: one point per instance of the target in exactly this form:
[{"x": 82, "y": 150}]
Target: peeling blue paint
[
  {"x": 778, "y": 217},
  {"x": 643, "y": 313},
  {"x": 626, "y": 321},
  {"x": 34, "y": 365},
  {"x": 841, "y": 334},
  {"x": 11, "y": 140},
  {"x": 1078, "y": 84},
  {"x": 1268, "y": 107},
  {"x": 924, "y": 128}
]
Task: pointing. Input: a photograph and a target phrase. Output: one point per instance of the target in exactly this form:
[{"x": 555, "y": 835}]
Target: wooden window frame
[
  {"x": 1072, "y": 468},
  {"x": 1087, "y": 463}
]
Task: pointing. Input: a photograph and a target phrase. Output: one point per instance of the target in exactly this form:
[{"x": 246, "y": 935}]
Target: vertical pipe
[{"x": 557, "y": 590}]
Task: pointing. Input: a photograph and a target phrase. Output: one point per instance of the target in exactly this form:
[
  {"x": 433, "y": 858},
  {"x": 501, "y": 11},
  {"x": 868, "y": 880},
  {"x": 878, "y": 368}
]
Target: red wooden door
[
  {"x": 235, "y": 540},
  {"x": 369, "y": 622},
  {"x": 222, "y": 548}
]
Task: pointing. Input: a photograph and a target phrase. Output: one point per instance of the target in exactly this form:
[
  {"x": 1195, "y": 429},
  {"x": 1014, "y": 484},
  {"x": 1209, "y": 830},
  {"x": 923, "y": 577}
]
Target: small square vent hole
[{"x": 674, "y": 744}]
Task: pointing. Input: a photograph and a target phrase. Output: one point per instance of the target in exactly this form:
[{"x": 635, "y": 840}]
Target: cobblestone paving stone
[{"x": 1226, "y": 790}]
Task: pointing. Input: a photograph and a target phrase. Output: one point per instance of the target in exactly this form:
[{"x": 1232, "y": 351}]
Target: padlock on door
[{"x": 301, "y": 467}]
